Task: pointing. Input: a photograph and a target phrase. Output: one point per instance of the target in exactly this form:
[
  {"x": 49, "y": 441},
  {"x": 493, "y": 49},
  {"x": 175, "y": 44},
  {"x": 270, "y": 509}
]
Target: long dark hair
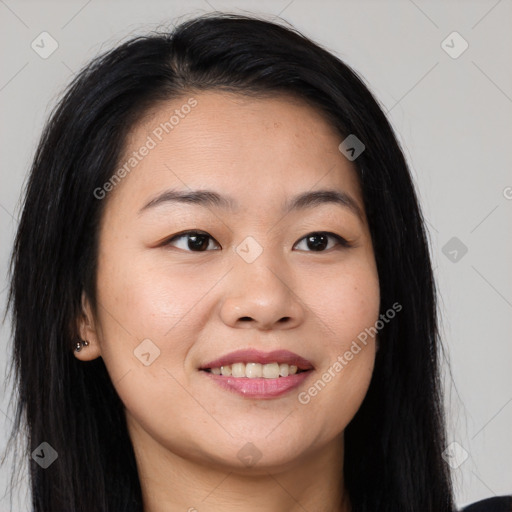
[{"x": 393, "y": 446}]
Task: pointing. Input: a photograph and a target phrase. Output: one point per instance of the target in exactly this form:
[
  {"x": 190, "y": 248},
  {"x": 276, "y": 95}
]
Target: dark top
[{"x": 496, "y": 504}]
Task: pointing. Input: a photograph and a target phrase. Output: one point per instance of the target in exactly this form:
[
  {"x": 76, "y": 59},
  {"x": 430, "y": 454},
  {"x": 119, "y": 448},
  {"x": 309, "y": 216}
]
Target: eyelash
[{"x": 342, "y": 242}]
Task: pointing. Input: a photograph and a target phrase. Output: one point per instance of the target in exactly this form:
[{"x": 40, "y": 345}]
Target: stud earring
[{"x": 79, "y": 344}]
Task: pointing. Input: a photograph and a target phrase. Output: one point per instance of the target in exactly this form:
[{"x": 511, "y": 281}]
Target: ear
[{"x": 88, "y": 330}]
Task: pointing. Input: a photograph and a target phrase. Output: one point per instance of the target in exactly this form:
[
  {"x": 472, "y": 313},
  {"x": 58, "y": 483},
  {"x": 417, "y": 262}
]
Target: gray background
[{"x": 452, "y": 115}]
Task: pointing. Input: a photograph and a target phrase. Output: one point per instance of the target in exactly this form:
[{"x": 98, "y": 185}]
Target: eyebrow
[{"x": 210, "y": 198}]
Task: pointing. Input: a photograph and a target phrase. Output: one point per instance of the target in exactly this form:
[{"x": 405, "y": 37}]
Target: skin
[{"x": 186, "y": 430}]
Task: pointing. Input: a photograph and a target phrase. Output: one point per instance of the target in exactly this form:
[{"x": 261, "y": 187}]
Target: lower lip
[{"x": 259, "y": 387}]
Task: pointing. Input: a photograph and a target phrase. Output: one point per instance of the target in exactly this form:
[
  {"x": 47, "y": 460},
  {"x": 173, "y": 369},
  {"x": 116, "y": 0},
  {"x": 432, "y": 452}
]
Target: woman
[{"x": 293, "y": 363}]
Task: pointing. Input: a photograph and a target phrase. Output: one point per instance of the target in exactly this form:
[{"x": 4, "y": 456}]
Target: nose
[{"x": 260, "y": 297}]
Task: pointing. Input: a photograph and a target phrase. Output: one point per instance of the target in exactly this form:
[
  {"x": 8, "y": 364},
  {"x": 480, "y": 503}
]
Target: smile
[
  {"x": 254, "y": 374},
  {"x": 256, "y": 370}
]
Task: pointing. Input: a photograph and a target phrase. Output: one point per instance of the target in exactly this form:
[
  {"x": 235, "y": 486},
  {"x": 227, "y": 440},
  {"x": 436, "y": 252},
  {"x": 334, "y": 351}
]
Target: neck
[{"x": 172, "y": 482}]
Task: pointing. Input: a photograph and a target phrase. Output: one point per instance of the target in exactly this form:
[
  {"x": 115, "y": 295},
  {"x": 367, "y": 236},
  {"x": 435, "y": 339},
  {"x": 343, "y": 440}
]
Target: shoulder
[{"x": 496, "y": 504}]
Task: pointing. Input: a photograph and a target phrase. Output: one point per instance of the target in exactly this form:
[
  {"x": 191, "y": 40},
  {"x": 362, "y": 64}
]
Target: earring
[{"x": 79, "y": 344}]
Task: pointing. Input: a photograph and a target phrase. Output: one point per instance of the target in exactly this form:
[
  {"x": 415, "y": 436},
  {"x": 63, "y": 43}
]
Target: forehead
[{"x": 258, "y": 149}]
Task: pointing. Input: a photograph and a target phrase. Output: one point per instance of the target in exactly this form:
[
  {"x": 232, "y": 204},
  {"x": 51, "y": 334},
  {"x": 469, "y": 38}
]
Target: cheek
[
  {"x": 150, "y": 300},
  {"x": 346, "y": 301},
  {"x": 347, "y": 305},
  {"x": 147, "y": 300},
  {"x": 145, "y": 310}
]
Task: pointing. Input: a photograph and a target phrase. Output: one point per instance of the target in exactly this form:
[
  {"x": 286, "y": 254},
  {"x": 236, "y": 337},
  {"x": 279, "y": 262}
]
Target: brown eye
[
  {"x": 199, "y": 241},
  {"x": 194, "y": 241},
  {"x": 317, "y": 242}
]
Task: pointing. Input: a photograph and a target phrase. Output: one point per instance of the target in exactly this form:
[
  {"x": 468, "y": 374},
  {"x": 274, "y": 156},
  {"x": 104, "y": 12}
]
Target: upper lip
[{"x": 256, "y": 356}]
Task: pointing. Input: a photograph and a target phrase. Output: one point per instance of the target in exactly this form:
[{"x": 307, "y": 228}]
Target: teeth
[
  {"x": 271, "y": 371},
  {"x": 224, "y": 370},
  {"x": 238, "y": 370},
  {"x": 253, "y": 370},
  {"x": 256, "y": 370}
]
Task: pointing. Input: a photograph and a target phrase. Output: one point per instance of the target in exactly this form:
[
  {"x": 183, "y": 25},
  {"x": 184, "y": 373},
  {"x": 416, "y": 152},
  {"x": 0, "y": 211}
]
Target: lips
[
  {"x": 256, "y": 356},
  {"x": 258, "y": 375}
]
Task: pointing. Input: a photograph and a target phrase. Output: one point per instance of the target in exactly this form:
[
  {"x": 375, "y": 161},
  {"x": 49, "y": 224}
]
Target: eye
[
  {"x": 319, "y": 240},
  {"x": 198, "y": 241}
]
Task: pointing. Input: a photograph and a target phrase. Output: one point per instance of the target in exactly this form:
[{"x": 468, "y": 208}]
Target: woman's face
[{"x": 258, "y": 277}]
